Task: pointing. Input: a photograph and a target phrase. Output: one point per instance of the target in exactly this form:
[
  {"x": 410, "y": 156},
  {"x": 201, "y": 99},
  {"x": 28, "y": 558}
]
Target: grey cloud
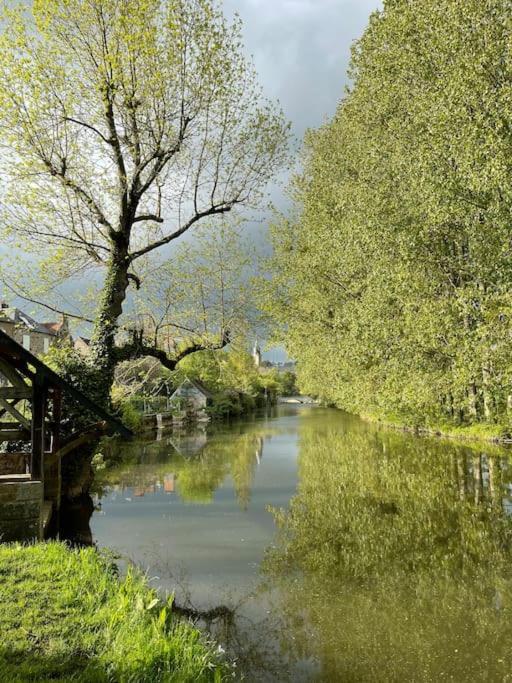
[{"x": 301, "y": 49}]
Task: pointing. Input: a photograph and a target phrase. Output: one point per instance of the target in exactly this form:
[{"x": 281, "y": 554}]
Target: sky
[{"x": 301, "y": 50}]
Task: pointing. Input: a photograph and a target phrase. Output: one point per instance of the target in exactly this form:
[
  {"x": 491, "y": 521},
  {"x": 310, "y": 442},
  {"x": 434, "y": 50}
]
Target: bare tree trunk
[
  {"x": 472, "y": 397},
  {"x": 486, "y": 376},
  {"x": 509, "y": 405}
]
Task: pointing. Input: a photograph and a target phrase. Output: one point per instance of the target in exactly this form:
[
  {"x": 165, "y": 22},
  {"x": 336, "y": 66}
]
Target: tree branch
[
  {"x": 43, "y": 305},
  {"x": 78, "y": 190},
  {"x": 212, "y": 211},
  {"x": 138, "y": 348},
  {"x": 92, "y": 128},
  {"x": 148, "y": 217},
  {"x": 135, "y": 279}
]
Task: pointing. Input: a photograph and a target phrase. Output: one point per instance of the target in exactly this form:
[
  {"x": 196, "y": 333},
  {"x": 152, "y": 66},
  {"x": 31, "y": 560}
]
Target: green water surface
[{"x": 346, "y": 552}]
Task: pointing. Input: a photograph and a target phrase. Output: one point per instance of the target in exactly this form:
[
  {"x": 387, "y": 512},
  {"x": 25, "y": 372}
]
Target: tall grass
[{"x": 66, "y": 616}]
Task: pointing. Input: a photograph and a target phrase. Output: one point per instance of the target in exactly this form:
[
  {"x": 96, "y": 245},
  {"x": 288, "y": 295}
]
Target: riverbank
[
  {"x": 487, "y": 433},
  {"x": 67, "y": 616}
]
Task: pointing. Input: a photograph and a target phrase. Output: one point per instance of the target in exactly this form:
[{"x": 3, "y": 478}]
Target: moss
[{"x": 67, "y": 616}]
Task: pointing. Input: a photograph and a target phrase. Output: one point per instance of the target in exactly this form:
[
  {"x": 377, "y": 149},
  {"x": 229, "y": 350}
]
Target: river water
[{"x": 343, "y": 551}]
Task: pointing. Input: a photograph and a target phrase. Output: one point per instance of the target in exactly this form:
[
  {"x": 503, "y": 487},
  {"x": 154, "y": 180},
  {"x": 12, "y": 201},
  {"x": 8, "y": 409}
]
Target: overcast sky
[{"x": 301, "y": 50}]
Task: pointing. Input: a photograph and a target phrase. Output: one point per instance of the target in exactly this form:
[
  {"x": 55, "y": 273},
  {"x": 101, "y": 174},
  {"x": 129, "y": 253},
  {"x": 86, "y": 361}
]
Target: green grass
[
  {"x": 66, "y": 616},
  {"x": 477, "y": 432}
]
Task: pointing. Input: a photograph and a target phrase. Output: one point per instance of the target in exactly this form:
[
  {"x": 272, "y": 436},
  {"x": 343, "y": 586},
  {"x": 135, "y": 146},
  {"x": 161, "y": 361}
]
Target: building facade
[{"x": 33, "y": 336}]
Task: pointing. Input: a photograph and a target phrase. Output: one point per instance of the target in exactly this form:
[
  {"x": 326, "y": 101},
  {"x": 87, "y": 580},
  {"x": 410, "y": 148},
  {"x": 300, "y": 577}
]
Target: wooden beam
[
  {"x": 16, "y": 355},
  {"x": 14, "y": 435},
  {"x": 8, "y": 371},
  {"x": 38, "y": 428},
  {"x": 52, "y": 467},
  {"x": 15, "y": 393},
  {"x": 15, "y": 413},
  {"x": 11, "y": 425}
]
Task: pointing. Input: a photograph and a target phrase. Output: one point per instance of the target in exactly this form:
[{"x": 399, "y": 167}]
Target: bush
[
  {"x": 74, "y": 368},
  {"x": 225, "y": 404}
]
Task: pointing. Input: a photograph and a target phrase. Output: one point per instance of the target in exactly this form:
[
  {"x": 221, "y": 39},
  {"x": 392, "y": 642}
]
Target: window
[
  {"x": 26, "y": 341},
  {"x": 46, "y": 344}
]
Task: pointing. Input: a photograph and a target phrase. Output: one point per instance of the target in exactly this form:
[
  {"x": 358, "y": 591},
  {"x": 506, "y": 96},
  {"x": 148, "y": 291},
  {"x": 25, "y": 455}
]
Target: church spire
[{"x": 256, "y": 354}]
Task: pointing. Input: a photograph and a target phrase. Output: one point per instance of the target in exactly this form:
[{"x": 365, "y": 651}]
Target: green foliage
[
  {"x": 238, "y": 386},
  {"x": 67, "y": 616},
  {"x": 74, "y": 368},
  {"x": 392, "y": 283},
  {"x": 225, "y": 404},
  {"x": 124, "y": 124},
  {"x": 131, "y": 417},
  {"x": 396, "y": 554}
]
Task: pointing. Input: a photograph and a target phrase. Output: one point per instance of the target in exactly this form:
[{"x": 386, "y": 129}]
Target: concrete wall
[{"x": 20, "y": 510}]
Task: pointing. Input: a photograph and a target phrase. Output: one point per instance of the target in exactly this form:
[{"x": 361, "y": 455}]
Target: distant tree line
[{"x": 393, "y": 281}]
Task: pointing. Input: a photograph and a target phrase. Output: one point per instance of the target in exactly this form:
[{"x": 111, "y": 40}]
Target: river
[{"x": 344, "y": 551}]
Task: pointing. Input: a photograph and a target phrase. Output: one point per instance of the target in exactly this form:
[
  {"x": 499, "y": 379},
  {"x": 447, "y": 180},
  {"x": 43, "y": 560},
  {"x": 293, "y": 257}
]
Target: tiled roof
[
  {"x": 198, "y": 385},
  {"x": 202, "y": 388},
  {"x": 54, "y": 328},
  {"x": 19, "y": 317}
]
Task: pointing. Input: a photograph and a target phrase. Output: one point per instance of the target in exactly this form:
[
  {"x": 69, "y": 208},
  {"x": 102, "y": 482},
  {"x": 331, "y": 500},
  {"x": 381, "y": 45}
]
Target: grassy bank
[
  {"x": 66, "y": 616},
  {"x": 490, "y": 433}
]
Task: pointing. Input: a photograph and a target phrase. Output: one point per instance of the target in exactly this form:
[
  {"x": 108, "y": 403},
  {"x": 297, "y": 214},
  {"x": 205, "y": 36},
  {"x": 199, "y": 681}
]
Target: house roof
[
  {"x": 19, "y": 317},
  {"x": 53, "y": 328},
  {"x": 198, "y": 385},
  {"x": 10, "y": 349}
]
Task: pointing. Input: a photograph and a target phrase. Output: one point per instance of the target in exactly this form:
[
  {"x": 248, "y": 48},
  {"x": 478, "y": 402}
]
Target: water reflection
[
  {"x": 403, "y": 549},
  {"x": 391, "y": 560},
  {"x": 200, "y": 463}
]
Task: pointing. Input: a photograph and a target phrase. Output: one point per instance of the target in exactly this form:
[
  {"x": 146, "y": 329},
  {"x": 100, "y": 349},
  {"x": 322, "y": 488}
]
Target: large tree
[
  {"x": 393, "y": 282},
  {"x": 124, "y": 124}
]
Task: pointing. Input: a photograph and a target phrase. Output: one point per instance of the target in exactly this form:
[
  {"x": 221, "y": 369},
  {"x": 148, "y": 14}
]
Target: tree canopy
[
  {"x": 392, "y": 282},
  {"x": 124, "y": 124}
]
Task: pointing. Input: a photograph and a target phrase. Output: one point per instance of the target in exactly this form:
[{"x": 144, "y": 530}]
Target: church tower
[{"x": 256, "y": 354}]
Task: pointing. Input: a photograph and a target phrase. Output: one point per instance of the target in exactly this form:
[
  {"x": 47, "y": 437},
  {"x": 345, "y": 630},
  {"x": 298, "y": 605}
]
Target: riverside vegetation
[
  {"x": 393, "y": 281},
  {"x": 66, "y": 615}
]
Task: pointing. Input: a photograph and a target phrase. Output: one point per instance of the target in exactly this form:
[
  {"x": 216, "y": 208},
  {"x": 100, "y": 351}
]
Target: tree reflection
[
  {"x": 394, "y": 559},
  {"x": 197, "y": 464}
]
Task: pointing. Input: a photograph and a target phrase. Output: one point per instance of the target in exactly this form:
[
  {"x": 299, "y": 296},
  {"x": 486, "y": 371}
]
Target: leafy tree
[
  {"x": 124, "y": 124},
  {"x": 200, "y": 294},
  {"x": 392, "y": 282}
]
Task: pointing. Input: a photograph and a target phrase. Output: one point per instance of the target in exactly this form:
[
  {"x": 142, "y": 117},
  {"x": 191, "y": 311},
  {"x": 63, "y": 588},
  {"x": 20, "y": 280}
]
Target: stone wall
[
  {"x": 20, "y": 510},
  {"x": 38, "y": 346}
]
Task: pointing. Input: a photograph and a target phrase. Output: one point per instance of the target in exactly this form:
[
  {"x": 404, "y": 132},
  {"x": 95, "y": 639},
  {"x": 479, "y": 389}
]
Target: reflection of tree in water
[
  {"x": 403, "y": 549},
  {"x": 253, "y": 638},
  {"x": 144, "y": 465}
]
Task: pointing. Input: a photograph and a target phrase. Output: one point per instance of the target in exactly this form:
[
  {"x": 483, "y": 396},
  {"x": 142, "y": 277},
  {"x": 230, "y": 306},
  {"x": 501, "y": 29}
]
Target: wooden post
[
  {"x": 52, "y": 464},
  {"x": 38, "y": 428}
]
